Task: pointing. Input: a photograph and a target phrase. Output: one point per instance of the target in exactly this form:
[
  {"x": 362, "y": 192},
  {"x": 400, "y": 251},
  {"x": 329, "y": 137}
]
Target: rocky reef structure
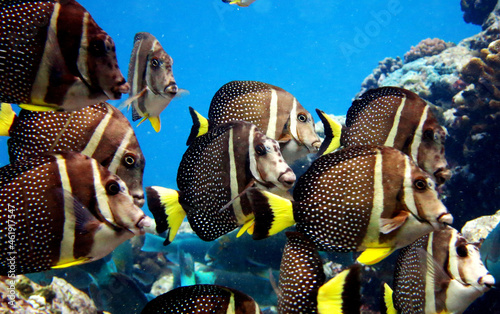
[
  {"x": 463, "y": 84},
  {"x": 476, "y": 11},
  {"x": 427, "y": 47},
  {"x": 21, "y": 295},
  {"x": 380, "y": 73}
]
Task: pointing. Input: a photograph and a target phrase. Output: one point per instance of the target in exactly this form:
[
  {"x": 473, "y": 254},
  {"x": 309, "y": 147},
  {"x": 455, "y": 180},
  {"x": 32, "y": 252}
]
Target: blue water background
[{"x": 320, "y": 51}]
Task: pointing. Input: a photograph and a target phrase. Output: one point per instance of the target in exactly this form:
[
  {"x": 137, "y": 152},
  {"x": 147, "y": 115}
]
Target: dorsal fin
[
  {"x": 358, "y": 105},
  {"x": 200, "y": 126},
  {"x": 333, "y": 131}
]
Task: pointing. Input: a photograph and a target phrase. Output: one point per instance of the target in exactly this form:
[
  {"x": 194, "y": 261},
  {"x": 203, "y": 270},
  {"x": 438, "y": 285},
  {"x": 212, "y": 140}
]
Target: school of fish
[{"x": 73, "y": 190}]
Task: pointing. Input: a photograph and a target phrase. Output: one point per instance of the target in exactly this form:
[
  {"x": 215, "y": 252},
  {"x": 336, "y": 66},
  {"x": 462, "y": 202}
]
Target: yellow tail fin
[
  {"x": 341, "y": 293},
  {"x": 272, "y": 213},
  {"x": 7, "y": 116},
  {"x": 166, "y": 209}
]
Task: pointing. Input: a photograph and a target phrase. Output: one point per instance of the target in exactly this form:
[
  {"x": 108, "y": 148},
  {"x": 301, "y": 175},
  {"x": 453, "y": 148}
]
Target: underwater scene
[{"x": 249, "y": 156}]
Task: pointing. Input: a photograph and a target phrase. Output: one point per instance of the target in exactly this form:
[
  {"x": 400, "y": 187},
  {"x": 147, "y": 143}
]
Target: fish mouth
[
  {"x": 171, "y": 89},
  {"x": 444, "y": 220},
  {"x": 442, "y": 175},
  {"x": 209, "y": 260},
  {"x": 116, "y": 91},
  {"x": 314, "y": 147},
  {"x": 139, "y": 199},
  {"x": 287, "y": 178},
  {"x": 488, "y": 280},
  {"x": 143, "y": 223}
]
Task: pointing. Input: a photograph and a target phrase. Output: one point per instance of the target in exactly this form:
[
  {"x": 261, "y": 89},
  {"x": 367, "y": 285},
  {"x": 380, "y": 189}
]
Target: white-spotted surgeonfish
[
  {"x": 399, "y": 118},
  {"x": 60, "y": 210},
  {"x": 363, "y": 198},
  {"x": 216, "y": 168},
  {"x": 276, "y": 112},
  {"x": 302, "y": 287},
  {"x": 152, "y": 83},
  {"x": 439, "y": 273},
  {"x": 203, "y": 299},
  {"x": 99, "y": 131},
  {"x": 54, "y": 56}
]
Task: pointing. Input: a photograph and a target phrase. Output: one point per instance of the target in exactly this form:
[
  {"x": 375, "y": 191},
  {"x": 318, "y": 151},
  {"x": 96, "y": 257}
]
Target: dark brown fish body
[
  {"x": 151, "y": 77},
  {"x": 61, "y": 210},
  {"x": 99, "y": 131},
  {"x": 365, "y": 197},
  {"x": 203, "y": 299},
  {"x": 218, "y": 166},
  {"x": 439, "y": 273},
  {"x": 53, "y": 54},
  {"x": 301, "y": 276},
  {"x": 302, "y": 279},
  {"x": 273, "y": 110},
  {"x": 399, "y": 118},
  {"x": 215, "y": 169}
]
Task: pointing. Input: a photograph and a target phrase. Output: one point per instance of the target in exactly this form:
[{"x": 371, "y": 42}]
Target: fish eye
[
  {"x": 462, "y": 251},
  {"x": 302, "y": 117},
  {"x": 97, "y": 48},
  {"x": 113, "y": 188},
  {"x": 429, "y": 134},
  {"x": 420, "y": 184},
  {"x": 155, "y": 63},
  {"x": 260, "y": 149},
  {"x": 129, "y": 160}
]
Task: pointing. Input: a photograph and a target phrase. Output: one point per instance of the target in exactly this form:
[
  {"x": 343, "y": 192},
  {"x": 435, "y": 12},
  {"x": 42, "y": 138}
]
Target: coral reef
[
  {"x": 478, "y": 229},
  {"x": 385, "y": 67},
  {"x": 434, "y": 78},
  {"x": 476, "y": 11},
  {"x": 21, "y": 295},
  {"x": 463, "y": 83},
  {"x": 427, "y": 47}
]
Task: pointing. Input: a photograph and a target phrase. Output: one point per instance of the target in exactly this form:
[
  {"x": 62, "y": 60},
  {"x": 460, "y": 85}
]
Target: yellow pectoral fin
[
  {"x": 79, "y": 261},
  {"x": 156, "y": 123},
  {"x": 374, "y": 255},
  {"x": 32, "y": 107},
  {"x": 248, "y": 226},
  {"x": 143, "y": 119}
]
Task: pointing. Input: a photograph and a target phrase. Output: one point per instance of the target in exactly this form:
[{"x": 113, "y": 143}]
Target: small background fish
[{"x": 152, "y": 81}]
